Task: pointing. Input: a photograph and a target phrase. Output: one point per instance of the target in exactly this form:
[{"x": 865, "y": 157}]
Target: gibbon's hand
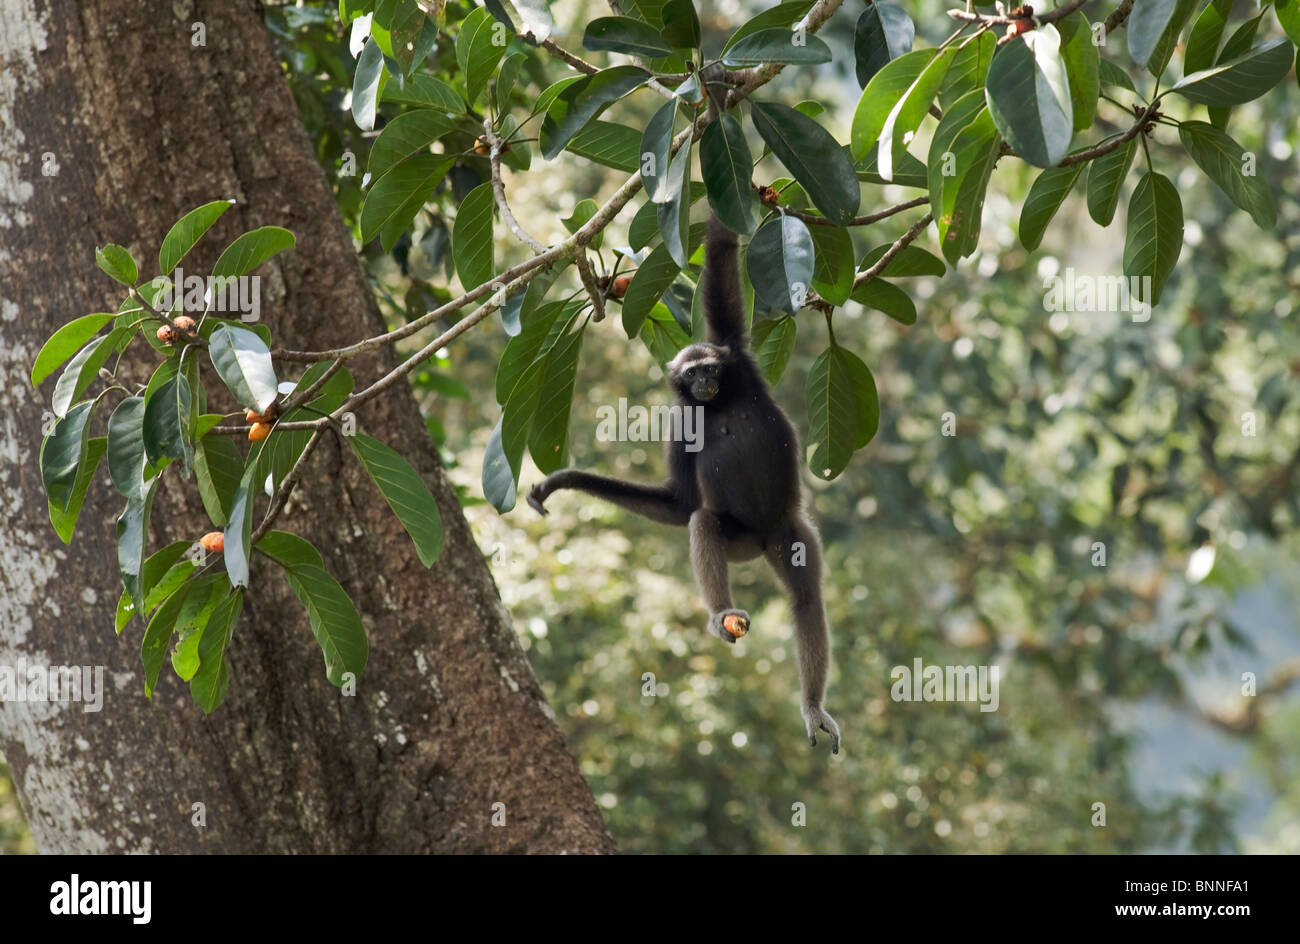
[{"x": 817, "y": 719}]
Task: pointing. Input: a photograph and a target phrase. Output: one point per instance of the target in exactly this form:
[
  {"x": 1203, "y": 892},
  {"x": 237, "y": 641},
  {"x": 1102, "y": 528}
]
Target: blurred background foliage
[{"x": 1121, "y": 684}]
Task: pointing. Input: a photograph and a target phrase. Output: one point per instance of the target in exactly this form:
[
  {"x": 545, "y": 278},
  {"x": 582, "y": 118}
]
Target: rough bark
[{"x": 448, "y": 719}]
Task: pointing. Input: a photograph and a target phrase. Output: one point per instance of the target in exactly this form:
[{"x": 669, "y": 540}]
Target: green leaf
[
  {"x": 881, "y": 95},
  {"x": 405, "y": 136},
  {"x": 471, "y": 238},
  {"x": 405, "y": 493},
  {"x": 1238, "y": 44},
  {"x": 785, "y": 14},
  {"x": 681, "y": 25},
  {"x": 833, "y": 260},
  {"x": 612, "y": 145},
  {"x": 884, "y": 32},
  {"x": 239, "y": 527},
  {"x": 583, "y": 211},
  {"x": 656, "y": 154},
  {"x": 83, "y": 370},
  {"x": 626, "y": 35},
  {"x": 1105, "y": 175},
  {"x": 584, "y": 100},
  {"x": 1222, "y": 159},
  {"x": 1112, "y": 74},
  {"x": 548, "y": 434},
  {"x": 126, "y": 457},
  {"x": 908, "y": 171},
  {"x": 210, "y": 683},
  {"x": 1207, "y": 31},
  {"x": 158, "y": 633},
  {"x": 498, "y": 477},
  {"x": 727, "y": 165},
  {"x": 1028, "y": 96},
  {"x": 910, "y": 261},
  {"x": 192, "y": 621},
  {"x": 334, "y": 621},
  {"x": 166, "y": 413},
  {"x": 65, "y": 342},
  {"x": 647, "y": 286},
  {"x": 663, "y": 336},
  {"x": 480, "y": 44},
  {"x": 65, "y": 519},
  {"x": 250, "y": 250},
  {"x": 1146, "y": 24},
  {"x": 396, "y": 197},
  {"x": 777, "y": 45},
  {"x": 289, "y": 550},
  {"x": 909, "y": 111},
  {"x": 1082, "y": 67},
  {"x": 1239, "y": 80},
  {"x": 674, "y": 218},
  {"x": 243, "y": 361},
  {"x": 779, "y": 261},
  {"x": 886, "y": 297},
  {"x": 118, "y": 264},
  {"x": 218, "y": 467},
  {"x": 815, "y": 159},
  {"x": 840, "y": 396},
  {"x": 773, "y": 344},
  {"x": 969, "y": 70},
  {"x": 132, "y": 535},
  {"x": 365, "y": 85},
  {"x": 425, "y": 91},
  {"x": 62, "y": 453},
  {"x": 1288, "y": 14},
  {"x": 1155, "y": 234},
  {"x": 1045, "y": 198},
  {"x": 187, "y": 231},
  {"x": 966, "y": 134},
  {"x": 1164, "y": 47}
]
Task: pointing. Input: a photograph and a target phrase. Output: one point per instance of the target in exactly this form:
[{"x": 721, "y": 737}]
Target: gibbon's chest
[{"x": 743, "y": 440}]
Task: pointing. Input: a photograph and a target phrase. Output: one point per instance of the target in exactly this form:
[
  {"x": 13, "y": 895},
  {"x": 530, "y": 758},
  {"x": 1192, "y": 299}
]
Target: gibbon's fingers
[{"x": 535, "y": 499}]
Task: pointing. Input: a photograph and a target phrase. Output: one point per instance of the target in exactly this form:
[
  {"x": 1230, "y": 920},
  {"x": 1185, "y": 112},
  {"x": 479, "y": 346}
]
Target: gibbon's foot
[
  {"x": 536, "y": 496},
  {"x": 729, "y": 625},
  {"x": 817, "y": 719}
]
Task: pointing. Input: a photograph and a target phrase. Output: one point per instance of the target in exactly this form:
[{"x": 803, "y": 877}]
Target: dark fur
[{"x": 740, "y": 494}]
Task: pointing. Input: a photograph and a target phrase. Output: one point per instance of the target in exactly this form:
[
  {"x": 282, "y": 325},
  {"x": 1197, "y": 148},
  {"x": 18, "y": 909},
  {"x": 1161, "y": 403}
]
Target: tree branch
[
  {"x": 815, "y": 220},
  {"x": 589, "y": 283}
]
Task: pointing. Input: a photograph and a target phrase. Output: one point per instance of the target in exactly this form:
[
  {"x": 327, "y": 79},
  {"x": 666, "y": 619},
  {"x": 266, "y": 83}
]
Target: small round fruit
[
  {"x": 168, "y": 335},
  {"x": 214, "y": 542},
  {"x": 769, "y": 196},
  {"x": 259, "y": 431},
  {"x": 186, "y": 323},
  {"x": 252, "y": 416},
  {"x": 619, "y": 288},
  {"x": 735, "y": 624}
]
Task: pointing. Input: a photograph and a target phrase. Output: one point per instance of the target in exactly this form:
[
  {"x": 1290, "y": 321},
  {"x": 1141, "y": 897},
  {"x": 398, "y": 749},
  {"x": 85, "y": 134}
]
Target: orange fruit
[
  {"x": 259, "y": 431},
  {"x": 735, "y": 624},
  {"x": 214, "y": 542}
]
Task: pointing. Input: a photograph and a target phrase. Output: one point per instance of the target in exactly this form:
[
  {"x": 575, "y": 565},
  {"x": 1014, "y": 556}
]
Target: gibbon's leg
[
  {"x": 709, "y": 557},
  {"x": 657, "y": 502},
  {"x": 796, "y": 556}
]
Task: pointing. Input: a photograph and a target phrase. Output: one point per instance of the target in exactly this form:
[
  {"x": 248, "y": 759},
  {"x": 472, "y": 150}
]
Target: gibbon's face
[{"x": 696, "y": 371}]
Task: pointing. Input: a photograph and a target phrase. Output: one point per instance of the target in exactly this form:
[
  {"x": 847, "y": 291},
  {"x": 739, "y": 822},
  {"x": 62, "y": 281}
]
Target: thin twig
[
  {"x": 499, "y": 189},
  {"x": 286, "y": 486},
  {"x": 876, "y": 217}
]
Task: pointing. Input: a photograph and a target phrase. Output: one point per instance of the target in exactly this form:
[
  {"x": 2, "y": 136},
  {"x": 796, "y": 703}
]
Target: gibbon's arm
[
  {"x": 662, "y": 503},
  {"x": 724, "y": 306}
]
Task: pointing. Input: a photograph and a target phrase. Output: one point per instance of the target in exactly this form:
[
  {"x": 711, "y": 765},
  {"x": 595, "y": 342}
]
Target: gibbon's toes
[
  {"x": 729, "y": 625},
  {"x": 535, "y": 499},
  {"x": 817, "y": 719}
]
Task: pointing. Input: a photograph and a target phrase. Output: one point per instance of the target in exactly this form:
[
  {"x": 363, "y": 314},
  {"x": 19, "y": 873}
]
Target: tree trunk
[{"x": 448, "y": 719}]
